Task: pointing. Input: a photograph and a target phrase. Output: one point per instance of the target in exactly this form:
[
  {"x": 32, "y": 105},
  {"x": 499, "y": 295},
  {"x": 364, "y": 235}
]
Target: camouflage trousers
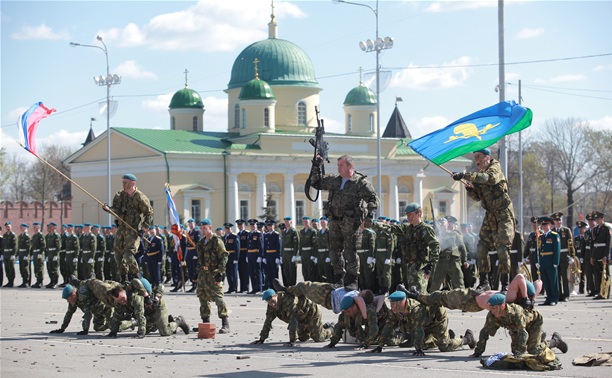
[
  {"x": 439, "y": 332},
  {"x": 318, "y": 292},
  {"x": 457, "y": 299},
  {"x": 39, "y": 265},
  {"x": 208, "y": 291},
  {"x": 24, "y": 265},
  {"x": 447, "y": 265},
  {"x": 102, "y": 290},
  {"x": 496, "y": 234},
  {"x": 53, "y": 265},
  {"x": 413, "y": 275},
  {"x": 126, "y": 246},
  {"x": 308, "y": 327},
  {"x": 383, "y": 272},
  {"x": 158, "y": 320},
  {"x": 534, "y": 341},
  {"x": 342, "y": 251},
  {"x": 102, "y": 316}
]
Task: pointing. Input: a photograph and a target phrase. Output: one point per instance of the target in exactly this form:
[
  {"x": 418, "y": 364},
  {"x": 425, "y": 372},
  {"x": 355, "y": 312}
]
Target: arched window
[
  {"x": 195, "y": 123},
  {"x": 172, "y": 123},
  {"x": 371, "y": 122},
  {"x": 236, "y": 116},
  {"x": 349, "y": 123},
  {"x": 267, "y": 117},
  {"x": 301, "y": 109},
  {"x": 243, "y": 123}
]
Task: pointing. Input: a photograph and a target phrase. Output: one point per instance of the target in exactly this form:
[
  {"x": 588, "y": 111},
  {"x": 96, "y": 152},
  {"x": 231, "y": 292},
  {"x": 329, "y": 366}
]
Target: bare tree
[
  {"x": 572, "y": 163},
  {"x": 600, "y": 188}
]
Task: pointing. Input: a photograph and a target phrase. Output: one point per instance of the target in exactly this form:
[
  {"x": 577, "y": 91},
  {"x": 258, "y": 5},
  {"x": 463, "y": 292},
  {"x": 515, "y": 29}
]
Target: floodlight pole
[{"x": 106, "y": 82}]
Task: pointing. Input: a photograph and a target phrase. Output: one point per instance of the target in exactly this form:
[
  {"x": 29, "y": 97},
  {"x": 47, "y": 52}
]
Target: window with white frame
[
  {"x": 371, "y": 121},
  {"x": 243, "y": 123},
  {"x": 299, "y": 210},
  {"x": 267, "y": 117},
  {"x": 301, "y": 109},
  {"x": 196, "y": 209},
  {"x": 195, "y": 123},
  {"x": 349, "y": 123},
  {"x": 236, "y": 116},
  {"x": 244, "y": 209}
]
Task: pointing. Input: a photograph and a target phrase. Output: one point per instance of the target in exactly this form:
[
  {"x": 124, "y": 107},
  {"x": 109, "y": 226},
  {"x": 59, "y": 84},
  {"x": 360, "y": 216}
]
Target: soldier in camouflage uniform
[
  {"x": 302, "y": 316},
  {"x": 9, "y": 249},
  {"x": 385, "y": 244},
  {"x": 24, "y": 245},
  {"x": 420, "y": 249},
  {"x": 308, "y": 245},
  {"x": 129, "y": 303},
  {"x": 99, "y": 252},
  {"x": 158, "y": 318},
  {"x": 38, "y": 255},
  {"x": 396, "y": 257},
  {"x": 366, "y": 247},
  {"x": 326, "y": 272},
  {"x": 423, "y": 323},
  {"x": 82, "y": 298},
  {"x": 53, "y": 242},
  {"x": 489, "y": 186},
  {"x": 351, "y": 199},
  {"x": 452, "y": 257},
  {"x": 73, "y": 248},
  {"x": 290, "y": 241},
  {"x": 134, "y": 208},
  {"x": 212, "y": 258}
]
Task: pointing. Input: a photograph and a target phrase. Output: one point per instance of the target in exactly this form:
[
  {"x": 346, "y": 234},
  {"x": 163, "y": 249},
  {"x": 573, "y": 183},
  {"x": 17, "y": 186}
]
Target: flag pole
[
  {"x": 83, "y": 189},
  {"x": 439, "y": 166}
]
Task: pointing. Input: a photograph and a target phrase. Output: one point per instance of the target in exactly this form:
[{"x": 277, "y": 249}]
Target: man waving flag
[{"x": 27, "y": 124}]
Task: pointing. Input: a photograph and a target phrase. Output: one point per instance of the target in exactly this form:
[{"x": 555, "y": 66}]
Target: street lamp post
[
  {"x": 107, "y": 81},
  {"x": 377, "y": 46}
]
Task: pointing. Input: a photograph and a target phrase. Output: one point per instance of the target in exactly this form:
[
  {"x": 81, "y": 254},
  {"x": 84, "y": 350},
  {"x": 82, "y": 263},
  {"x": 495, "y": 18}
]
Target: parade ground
[{"x": 28, "y": 350}]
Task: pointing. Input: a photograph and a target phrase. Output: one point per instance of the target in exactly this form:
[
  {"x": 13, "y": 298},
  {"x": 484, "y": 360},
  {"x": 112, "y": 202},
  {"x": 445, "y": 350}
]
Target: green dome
[
  {"x": 186, "y": 98},
  {"x": 360, "y": 95},
  {"x": 256, "y": 89},
  {"x": 280, "y": 63}
]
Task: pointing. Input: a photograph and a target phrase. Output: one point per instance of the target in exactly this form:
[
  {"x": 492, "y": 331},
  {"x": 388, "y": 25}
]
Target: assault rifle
[{"x": 321, "y": 155}]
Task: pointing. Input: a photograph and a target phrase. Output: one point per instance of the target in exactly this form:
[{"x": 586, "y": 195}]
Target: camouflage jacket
[
  {"x": 490, "y": 188},
  {"x": 364, "y": 330},
  {"x": 356, "y": 200},
  {"x": 134, "y": 308},
  {"x": 53, "y": 242},
  {"x": 517, "y": 320},
  {"x": 38, "y": 243},
  {"x": 420, "y": 243},
  {"x": 135, "y": 210},
  {"x": 212, "y": 256},
  {"x": 88, "y": 303},
  {"x": 292, "y": 310}
]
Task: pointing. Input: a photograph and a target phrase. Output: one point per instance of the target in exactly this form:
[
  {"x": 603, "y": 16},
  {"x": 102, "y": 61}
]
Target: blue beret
[
  {"x": 36, "y": 224},
  {"x": 51, "y": 224},
  {"x": 146, "y": 284},
  {"x": 70, "y": 225},
  {"x": 306, "y": 217},
  {"x": 497, "y": 299},
  {"x": 530, "y": 289},
  {"x": 87, "y": 224},
  {"x": 268, "y": 294},
  {"x": 315, "y": 220},
  {"x": 67, "y": 292},
  {"x": 165, "y": 228},
  {"x": 8, "y": 223},
  {"x": 397, "y": 296},
  {"x": 96, "y": 225},
  {"x": 205, "y": 222},
  {"x": 219, "y": 229},
  {"x": 151, "y": 227},
  {"x": 405, "y": 220},
  {"x": 287, "y": 218},
  {"x": 346, "y": 302},
  {"x": 325, "y": 219},
  {"x": 393, "y": 221},
  {"x": 129, "y": 176},
  {"x": 190, "y": 220},
  {"x": 382, "y": 217},
  {"x": 412, "y": 207},
  {"x": 64, "y": 225},
  {"x": 25, "y": 225},
  {"x": 484, "y": 151},
  {"x": 78, "y": 225}
]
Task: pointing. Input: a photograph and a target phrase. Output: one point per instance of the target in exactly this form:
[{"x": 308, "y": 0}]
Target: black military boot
[
  {"x": 350, "y": 282},
  {"x": 225, "y": 328},
  {"x": 409, "y": 294},
  {"x": 194, "y": 287},
  {"x": 37, "y": 285},
  {"x": 557, "y": 342},
  {"x": 24, "y": 284},
  {"x": 505, "y": 280},
  {"x": 468, "y": 339},
  {"x": 278, "y": 286},
  {"x": 338, "y": 281},
  {"x": 8, "y": 284},
  {"x": 178, "y": 287},
  {"x": 483, "y": 284},
  {"x": 182, "y": 324}
]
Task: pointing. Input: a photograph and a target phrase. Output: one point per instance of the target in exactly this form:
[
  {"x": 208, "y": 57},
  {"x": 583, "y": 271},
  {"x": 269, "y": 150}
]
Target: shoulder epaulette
[{"x": 554, "y": 233}]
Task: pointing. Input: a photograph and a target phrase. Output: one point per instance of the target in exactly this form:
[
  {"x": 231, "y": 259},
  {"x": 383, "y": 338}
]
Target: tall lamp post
[
  {"x": 377, "y": 46},
  {"x": 107, "y": 81}
]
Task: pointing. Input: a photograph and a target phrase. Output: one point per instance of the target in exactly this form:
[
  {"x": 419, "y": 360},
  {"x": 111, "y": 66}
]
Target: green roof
[
  {"x": 256, "y": 89},
  {"x": 360, "y": 95},
  {"x": 280, "y": 63},
  {"x": 186, "y": 98},
  {"x": 184, "y": 142}
]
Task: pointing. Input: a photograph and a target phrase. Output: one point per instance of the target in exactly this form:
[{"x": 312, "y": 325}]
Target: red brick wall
[{"x": 30, "y": 212}]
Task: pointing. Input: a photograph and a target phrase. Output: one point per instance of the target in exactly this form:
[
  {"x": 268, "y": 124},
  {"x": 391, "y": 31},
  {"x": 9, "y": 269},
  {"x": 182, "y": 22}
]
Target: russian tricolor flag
[{"x": 28, "y": 124}]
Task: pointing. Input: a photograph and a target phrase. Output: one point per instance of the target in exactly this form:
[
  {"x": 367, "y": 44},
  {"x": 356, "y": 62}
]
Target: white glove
[
  {"x": 46, "y": 259},
  {"x": 520, "y": 263},
  {"x": 473, "y": 261},
  {"x": 12, "y": 258},
  {"x": 571, "y": 260},
  {"x": 524, "y": 261},
  {"x": 581, "y": 260},
  {"x": 327, "y": 259},
  {"x": 54, "y": 258},
  {"x": 387, "y": 262},
  {"x": 75, "y": 260},
  {"x": 90, "y": 261},
  {"x": 370, "y": 259},
  {"x": 278, "y": 261},
  {"x": 235, "y": 261},
  {"x": 555, "y": 266},
  {"x": 373, "y": 260},
  {"x": 398, "y": 260},
  {"x": 100, "y": 259},
  {"x": 169, "y": 259},
  {"x": 265, "y": 261},
  {"x": 293, "y": 259},
  {"x": 259, "y": 259},
  {"x": 39, "y": 256},
  {"x": 195, "y": 257},
  {"x": 538, "y": 265},
  {"x": 497, "y": 263},
  {"x": 312, "y": 258},
  {"x": 299, "y": 259}
]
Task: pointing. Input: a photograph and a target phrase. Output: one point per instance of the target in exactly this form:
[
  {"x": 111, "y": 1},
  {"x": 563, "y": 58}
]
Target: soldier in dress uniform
[
  {"x": 63, "y": 266},
  {"x": 73, "y": 247},
  {"x": 9, "y": 249},
  {"x": 261, "y": 227},
  {"x": 88, "y": 248},
  {"x": 580, "y": 242},
  {"x": 600, "y": 252},
  {"x": 232, "y": 246},
  {"x": 366, "y": 247},
  {"x": 272, "y": 252},
  {"x": 53, "y": 243},
  {"x": 308, "y": 241},
  {"x": 531, "y": 250},
  {"x": 254, "y": 250},
  {"x": 326, "y": 272},
  {"x": 568, "y": 253},
  {"x": 24, "y": 244},
  {"x": 154, "y": 256},
  {"x": 291, "y": 249},
  {"x": 385, "y": 244},
  {"x": 548, "y": 261},
  {"x": 243, "y": 265},
  {"x": 99, "y": 253},
  {"x": 191, "y": 255},
  {"x": 38, "y": 255},
  {"x": 396, "y": 257},
  {"x": 588, "y": 248}
]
